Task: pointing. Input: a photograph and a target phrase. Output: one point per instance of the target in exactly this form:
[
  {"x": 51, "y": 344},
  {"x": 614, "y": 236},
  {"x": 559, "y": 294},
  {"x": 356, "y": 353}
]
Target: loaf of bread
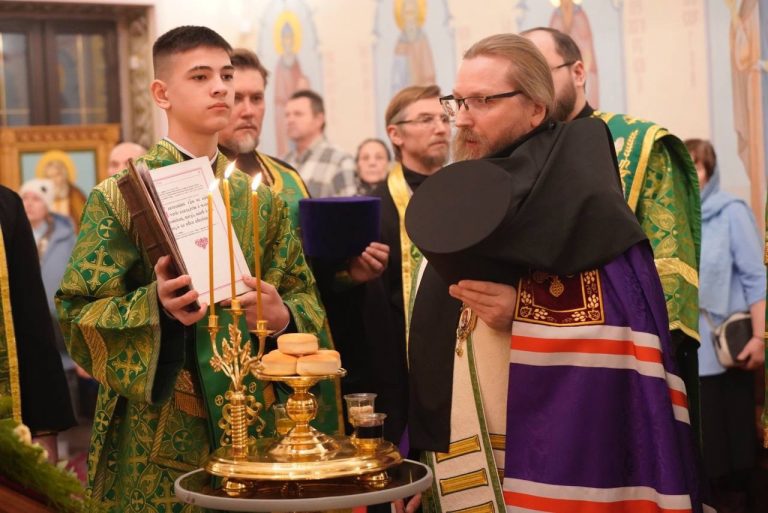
[
  {"x": 320, "y": 363},
  {"x": 297, "y": 343},
  {"x": 276, "y": 363}
]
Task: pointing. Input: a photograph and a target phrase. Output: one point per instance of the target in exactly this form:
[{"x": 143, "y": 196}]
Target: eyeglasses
[
  {"x": 452, "y": 105},
  {"x": 427, "y": 119},
  {"x": 563, "y": 65}
]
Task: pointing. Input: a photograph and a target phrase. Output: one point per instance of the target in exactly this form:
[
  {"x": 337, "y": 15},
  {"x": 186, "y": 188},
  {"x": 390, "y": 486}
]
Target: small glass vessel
[
  {"x": 369, "y": 430},
  {"x": 358, "y": 404}
]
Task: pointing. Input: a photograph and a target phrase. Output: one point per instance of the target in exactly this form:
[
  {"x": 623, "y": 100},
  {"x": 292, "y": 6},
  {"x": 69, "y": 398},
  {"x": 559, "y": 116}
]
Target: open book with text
[{"x": 169, "y": 210}]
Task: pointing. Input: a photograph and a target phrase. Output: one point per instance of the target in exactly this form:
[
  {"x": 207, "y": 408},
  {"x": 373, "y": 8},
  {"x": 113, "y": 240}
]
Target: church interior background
[{"x": 75, "y": 75}]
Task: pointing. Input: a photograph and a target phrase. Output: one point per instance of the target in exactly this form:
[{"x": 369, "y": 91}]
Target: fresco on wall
[
  {"x": 596, "y": 26},
  {"x": 413, "y": 45},
  {"x": 287, "y": 46},
  {"x": 746, "y": 70},
  {"x": 412, "y": 63}
]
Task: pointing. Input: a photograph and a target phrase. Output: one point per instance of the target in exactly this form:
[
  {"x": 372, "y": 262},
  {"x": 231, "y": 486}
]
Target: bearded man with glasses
[
  {"x": 661, "y": 187},
  {"x": 541, "y": 375}
]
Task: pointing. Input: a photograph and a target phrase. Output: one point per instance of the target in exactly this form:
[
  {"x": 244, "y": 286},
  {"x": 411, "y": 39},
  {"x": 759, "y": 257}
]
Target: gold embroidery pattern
[
  {"x": 482, "y": 508},
  {"x": 9, "y": 363},
  {"x": 464, "y": 482},
  {"x": 498, "y": 441},
  {"x": 578, "y": 302},
  {"x": 667, "y": 266},
  {"x": 624, "y": 163},
  {"x": 187, "y": 397},
  {"x": 409, "y": 254},
  {"x": 459, "y": 448}
]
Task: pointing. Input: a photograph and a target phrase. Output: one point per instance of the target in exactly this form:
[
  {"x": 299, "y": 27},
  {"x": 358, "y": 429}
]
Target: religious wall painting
[
  {"x": 746, "y": 76},
  {"x": 288, "y": 48},
  {"x": 596, "y": 27},
  {"x": 74, "y": 157},
  {"x": 413, "y": 63},
  {"x": 413, "y": 45}
]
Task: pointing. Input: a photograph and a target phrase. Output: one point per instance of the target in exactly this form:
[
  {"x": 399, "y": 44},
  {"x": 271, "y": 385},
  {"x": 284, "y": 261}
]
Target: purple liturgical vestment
[{"x": 597, "y": 418}]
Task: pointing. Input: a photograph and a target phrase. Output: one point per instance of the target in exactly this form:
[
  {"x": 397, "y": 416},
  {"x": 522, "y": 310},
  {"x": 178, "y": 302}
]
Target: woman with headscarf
[{"x": 732, "y": 279}]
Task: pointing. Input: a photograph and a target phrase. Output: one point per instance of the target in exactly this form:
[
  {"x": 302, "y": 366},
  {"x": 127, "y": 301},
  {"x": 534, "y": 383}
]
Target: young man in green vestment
[
  {"x": 158, "y": 413},
  {"x": 660, "y": 185}
]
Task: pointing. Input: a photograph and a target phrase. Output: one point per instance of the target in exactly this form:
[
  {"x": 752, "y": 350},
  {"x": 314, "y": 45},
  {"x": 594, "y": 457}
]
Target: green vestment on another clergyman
[
  {"x": 662, "y": 189},
  {"x": 286, "y": 183},
  {"x": 156, "y": 418}
]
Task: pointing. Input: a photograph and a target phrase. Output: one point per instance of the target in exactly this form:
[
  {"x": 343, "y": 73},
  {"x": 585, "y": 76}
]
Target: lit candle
[
  {"x": 214, "y": 186},
  {"x": 256, "y": 244},
  {"x": 227, "y": 174}
]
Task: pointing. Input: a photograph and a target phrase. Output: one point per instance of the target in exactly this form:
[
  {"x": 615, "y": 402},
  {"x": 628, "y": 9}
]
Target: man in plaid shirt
[{"x": 326, "y": 169}]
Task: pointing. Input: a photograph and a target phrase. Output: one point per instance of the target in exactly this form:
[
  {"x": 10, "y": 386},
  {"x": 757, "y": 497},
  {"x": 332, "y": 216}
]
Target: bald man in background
[{"x": 118, "y": 157}]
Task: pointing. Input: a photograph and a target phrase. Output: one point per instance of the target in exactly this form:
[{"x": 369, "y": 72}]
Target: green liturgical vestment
[
  {"x": 159, "y": 403},
  {"x": 661, "y": 186},
  {"x": 286, "y": 183},
  {"x": 662, "y": 189}
]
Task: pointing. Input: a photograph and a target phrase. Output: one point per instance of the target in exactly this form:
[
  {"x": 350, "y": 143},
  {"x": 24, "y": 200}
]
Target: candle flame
[
  {"x": 255, "y": 182},
  {"x": 228, "y": 172},
  {"x": 214, "y": 185}
]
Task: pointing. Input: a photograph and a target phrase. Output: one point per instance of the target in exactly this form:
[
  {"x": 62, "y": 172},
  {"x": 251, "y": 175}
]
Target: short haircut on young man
[
  {"x": 565, "y": 46},
  {"x": 402, "y": 100},
  {"x": 183, "y": 39},
  {"x": 243, "y": 58}
]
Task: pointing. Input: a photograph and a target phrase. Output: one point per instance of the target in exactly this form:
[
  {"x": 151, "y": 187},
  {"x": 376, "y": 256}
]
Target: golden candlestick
[{"x": 304, "y": 453}]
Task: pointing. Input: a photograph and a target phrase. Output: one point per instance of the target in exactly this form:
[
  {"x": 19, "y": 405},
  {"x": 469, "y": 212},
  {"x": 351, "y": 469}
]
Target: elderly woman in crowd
[
  {"x": 732, "y": 279},
  {"x": 372, "y": 162}
]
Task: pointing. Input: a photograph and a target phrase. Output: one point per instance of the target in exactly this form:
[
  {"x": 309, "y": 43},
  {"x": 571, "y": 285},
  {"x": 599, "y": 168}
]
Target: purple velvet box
[{"x": 339, "y": 228}]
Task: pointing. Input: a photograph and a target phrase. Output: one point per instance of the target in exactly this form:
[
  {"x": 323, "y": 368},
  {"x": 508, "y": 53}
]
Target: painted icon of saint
[
  {"x": 289, "y": 77},
  {"x": 747, "y": 93},
  {"x": 69, "y": 200},
  {"x": 413, "y": 63}
]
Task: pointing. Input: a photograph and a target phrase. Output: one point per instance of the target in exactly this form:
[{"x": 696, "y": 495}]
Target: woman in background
[
  {"x": 372, "y": 161},
  {"x": 54, "y": 236},
  {"x": 732, "y": 279}
]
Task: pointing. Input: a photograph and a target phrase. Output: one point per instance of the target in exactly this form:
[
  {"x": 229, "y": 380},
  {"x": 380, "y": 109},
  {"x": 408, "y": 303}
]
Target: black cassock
[{"x": 45, "y": 401}]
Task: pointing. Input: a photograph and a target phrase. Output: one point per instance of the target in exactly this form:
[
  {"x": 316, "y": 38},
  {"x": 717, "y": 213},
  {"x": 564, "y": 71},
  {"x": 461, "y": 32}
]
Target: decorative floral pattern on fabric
[{"x": 560, "y": 300}]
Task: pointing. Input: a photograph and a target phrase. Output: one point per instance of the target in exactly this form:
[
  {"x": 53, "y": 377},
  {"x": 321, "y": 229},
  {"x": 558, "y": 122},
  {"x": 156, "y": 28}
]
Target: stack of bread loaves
[{"x": 298, "y": 353}]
